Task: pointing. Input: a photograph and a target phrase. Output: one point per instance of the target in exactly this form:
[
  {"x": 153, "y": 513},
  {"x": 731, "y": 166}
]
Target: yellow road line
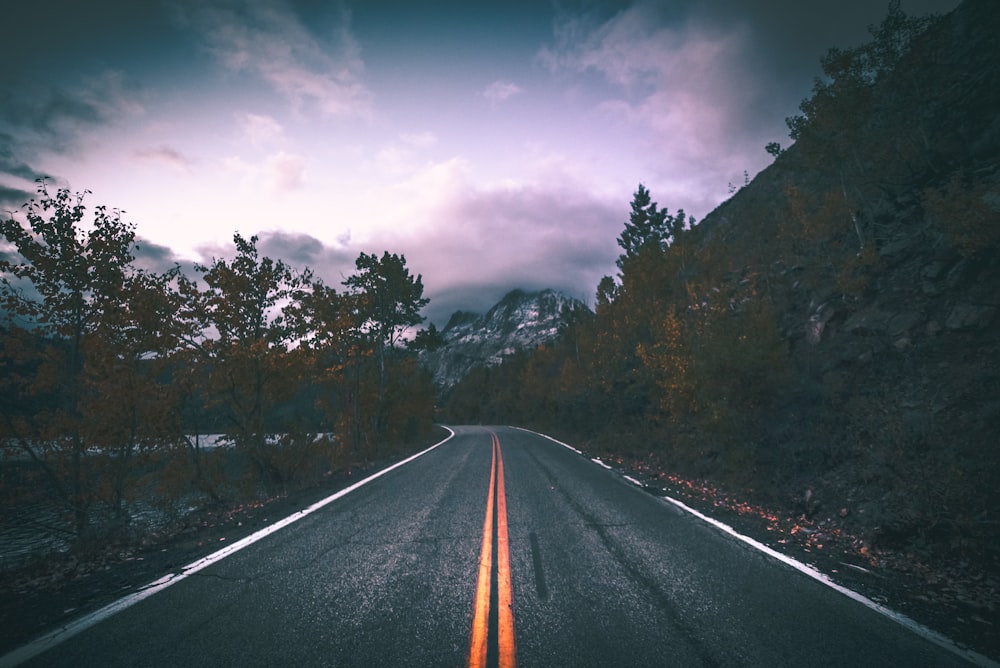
[
  {"x": 507, "y": 658},
  {"x": 481, "y": 617},
  {"x": 505, "y": 613}
]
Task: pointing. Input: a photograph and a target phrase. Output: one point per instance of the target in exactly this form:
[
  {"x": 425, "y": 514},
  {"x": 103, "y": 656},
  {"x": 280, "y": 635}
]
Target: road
[{"x": 578, "y": 567}]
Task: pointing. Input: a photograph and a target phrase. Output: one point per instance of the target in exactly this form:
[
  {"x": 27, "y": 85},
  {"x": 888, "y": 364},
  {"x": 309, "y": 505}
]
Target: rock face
[
  {"x": 519, "y": 321},
  {"x": 892, "y": 317}
]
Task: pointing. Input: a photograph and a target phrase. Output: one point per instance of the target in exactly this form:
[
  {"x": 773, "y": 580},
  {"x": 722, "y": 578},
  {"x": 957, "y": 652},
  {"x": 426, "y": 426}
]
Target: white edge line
[
  {"x": 921, "y": 630},
  {"x": 937, "y": 638},
  {"x": 569, "y": 447},
  {"x": 634, "y": 481},
  {"x": 53, "y": 638}
]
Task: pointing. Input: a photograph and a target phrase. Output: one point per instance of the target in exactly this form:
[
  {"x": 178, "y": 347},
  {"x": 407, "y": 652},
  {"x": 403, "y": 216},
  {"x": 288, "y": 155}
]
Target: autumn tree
[
  {"x": 66, "y": 289},
  {"x": 126, "y": 369},
  {"x": 246, "y": 346},
  {"x": 627, "y": 311},
  {"x": 391, "y": 304},
  {"x": 329, "y": 328}
]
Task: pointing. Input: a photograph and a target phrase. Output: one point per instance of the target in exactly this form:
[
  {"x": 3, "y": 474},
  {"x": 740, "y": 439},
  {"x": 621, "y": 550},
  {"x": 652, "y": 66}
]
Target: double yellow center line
[{"x": 503, "y": 618}]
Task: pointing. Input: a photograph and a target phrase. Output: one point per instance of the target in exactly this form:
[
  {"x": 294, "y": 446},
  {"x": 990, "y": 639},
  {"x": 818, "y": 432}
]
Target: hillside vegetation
[{"x": 826, "y": 340}]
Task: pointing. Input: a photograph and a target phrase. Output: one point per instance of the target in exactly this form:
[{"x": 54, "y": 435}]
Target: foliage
[
  {"x": 968, "y": 210},
  {"x": 429, "y": 339},
  {"x": 841, "y": 99},
  {"x": 112, "y": 376},
  {"x": 805, "y": 337},
  {"x": 648, "y": 228},
  {"x": 246, "y": 344},
  {"x": 395, "y": 298},
  {"x": 75, "y": 332},
  {"x": 391, "y": 304}
]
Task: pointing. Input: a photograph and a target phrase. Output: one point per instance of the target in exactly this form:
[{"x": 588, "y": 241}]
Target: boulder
[{"x": 970, "y": 316}]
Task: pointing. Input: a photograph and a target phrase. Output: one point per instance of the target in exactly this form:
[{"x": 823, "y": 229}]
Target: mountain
[{"x": 520, "y": 321}]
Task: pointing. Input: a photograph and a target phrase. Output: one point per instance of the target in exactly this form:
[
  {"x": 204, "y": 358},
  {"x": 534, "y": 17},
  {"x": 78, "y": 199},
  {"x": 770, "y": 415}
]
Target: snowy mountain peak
[{"x": 520, "y": 321}]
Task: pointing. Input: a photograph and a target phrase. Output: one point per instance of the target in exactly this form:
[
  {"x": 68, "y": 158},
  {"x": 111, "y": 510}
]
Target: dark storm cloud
[
  {"x": 11, "y": 199},
  {"x": 55, "y": 116},
  {"x": 64, "y": 74},
  {"x": 303, "y": 250},
  {"x": 65, "y": 31},
  {"x": 10, "y": 164},
  {"x": 788, "y": 37},
  {"x": 157, "y": 258},
  {"x": 331, "y": 264},
  {"x": 39, "y": 118},
  {"x": 706, "y": 85},
  {"x": 273, "y": 43}
]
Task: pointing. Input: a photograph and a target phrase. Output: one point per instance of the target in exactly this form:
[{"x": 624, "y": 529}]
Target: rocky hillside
[
  {"x": 519, "y": 321},
  {"x": 826, "y": 343},
  {"x": 875, "y": 238}
]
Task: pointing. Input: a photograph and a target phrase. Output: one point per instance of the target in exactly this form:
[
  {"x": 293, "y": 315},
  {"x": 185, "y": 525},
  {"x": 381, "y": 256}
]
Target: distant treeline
[{"x": 111, "y": 375}]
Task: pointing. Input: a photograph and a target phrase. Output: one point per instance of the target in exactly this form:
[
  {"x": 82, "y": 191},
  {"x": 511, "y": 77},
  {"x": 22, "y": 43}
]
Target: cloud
[
  {"x": 260, "y": 129},
  {"x": 401, "y": 156},
  {"x": 419, "y": 140},
  {"x": 11, "y": 199},
  {"x": 677, "y": 80},
  {"x": 298, "y": 250},
  {"x": 38, "y": 117},
  {"x": 57, "y": 117},
  {"x": 278, "y": 172},
  {"x": 303, "y": 251},
  {"x": 166, "y": 155},
  {"x": 13, "y": 196},
  {"x": 156, "y": 258},
  {"x": 685, "y": 87},
  {"x": 285, "y": 170},
  {"x": 480, "y": 243},
  {"x": 268, "y": 40},
  {"x": 10, "y": 164},
  {"x": 501, "y": 91}
]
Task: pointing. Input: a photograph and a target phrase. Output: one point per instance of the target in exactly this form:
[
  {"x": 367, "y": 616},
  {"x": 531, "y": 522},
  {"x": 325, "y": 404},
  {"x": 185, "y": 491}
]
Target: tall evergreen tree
[{"x": 646, "y": 227}]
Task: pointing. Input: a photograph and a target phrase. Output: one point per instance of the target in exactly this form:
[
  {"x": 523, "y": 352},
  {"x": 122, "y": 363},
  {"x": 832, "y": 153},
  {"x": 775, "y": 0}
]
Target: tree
[
  {"x": 429, "y": 339},
  {"x": 395, "y": 298},
  {"x": 66, "y": 292},
  {"x": 126, "y": 362},
  {"x": 851, "y": 74},
  {"x": 843, "y": 128},
  {"x": 391, "y": 304},
  {"x": 329, "y": 329},
  {"x": 250, "y": 374},
  {"x": 648, "y": 228}
]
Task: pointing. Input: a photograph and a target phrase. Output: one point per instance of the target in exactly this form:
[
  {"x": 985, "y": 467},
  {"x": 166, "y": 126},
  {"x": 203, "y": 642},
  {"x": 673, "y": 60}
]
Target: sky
[{"x": 496, "y": 145}]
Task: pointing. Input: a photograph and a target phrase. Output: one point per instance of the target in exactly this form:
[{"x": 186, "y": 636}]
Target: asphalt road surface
[{"x": 498, "y": 546}]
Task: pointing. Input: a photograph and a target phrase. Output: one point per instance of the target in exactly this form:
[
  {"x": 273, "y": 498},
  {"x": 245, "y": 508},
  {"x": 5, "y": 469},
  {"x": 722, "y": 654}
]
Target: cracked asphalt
[{"x": 603, "y": 574}]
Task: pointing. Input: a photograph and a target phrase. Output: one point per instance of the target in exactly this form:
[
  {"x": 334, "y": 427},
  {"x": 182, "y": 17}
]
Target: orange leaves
[{"x": 967, "y": 209}]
